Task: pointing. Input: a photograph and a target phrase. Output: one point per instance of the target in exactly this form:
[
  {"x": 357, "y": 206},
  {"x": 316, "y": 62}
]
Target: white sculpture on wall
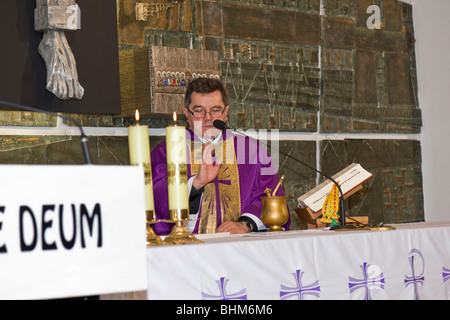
[{"x": 54, "y": 17}]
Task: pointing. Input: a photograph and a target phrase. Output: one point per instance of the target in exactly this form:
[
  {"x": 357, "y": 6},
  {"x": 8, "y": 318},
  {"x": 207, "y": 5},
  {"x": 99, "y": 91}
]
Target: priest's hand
[
  {"x": 208, "y": 169},
  {"x": 233, "y": 227}
]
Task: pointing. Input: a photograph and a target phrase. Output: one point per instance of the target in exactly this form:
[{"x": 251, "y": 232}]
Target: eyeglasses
[{"x": 201, "y": 113}]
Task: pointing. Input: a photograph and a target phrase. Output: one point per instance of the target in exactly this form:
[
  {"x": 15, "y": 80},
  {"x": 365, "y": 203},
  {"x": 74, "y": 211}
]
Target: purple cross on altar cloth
[
  {"x": 445, "y": 274},
  {"x": 368, "y": 281},
  {"x": 300, "y": 290},
  {"x": 223, "y": 295},
  {"x": 249, "y": 187},
  {"x": 415, "y": 279}
]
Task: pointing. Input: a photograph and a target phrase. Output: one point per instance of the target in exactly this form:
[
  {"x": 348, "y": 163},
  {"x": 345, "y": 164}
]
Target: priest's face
[{"x": 203, "y": 110}]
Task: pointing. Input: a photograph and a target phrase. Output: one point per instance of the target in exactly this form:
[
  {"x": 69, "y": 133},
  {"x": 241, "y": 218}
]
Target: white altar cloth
[{"x": 411, "y": 262}]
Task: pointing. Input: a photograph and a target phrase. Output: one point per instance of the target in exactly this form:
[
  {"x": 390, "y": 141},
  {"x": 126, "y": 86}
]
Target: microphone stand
[
  {"x": 84, "y": 139},
  {"x": 219, "y": 124}
]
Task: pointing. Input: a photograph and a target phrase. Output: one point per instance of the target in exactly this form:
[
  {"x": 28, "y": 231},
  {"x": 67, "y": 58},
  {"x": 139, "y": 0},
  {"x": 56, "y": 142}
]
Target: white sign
[{"x": 68, "y": 231}]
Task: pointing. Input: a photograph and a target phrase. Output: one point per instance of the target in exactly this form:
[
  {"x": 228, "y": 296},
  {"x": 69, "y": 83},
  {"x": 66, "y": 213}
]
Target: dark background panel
[{"x": 23, "y": 71}]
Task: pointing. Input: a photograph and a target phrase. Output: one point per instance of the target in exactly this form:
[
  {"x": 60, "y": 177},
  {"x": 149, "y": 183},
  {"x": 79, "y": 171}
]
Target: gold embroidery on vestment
[{"x": 227, "y": 182}]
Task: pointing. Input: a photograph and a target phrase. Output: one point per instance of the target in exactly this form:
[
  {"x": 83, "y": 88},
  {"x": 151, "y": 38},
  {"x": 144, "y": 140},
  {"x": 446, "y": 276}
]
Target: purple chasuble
[{"x": 252, "y": 160}]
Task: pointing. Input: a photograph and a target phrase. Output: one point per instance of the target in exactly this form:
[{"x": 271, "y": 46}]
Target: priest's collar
[
  {"x": 213, "y": 140},
  {"x": 220, "y": 136}
]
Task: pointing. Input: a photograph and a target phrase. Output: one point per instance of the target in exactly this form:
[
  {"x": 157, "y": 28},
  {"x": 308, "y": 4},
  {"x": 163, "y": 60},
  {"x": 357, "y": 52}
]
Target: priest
[{"x": 227, "y": 173}]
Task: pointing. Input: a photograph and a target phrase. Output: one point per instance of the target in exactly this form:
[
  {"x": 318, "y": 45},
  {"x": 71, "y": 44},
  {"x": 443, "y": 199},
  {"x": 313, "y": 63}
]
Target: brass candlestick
[
  {"x": 152, "y": 238},
  {"x": 179, "y": 233}
]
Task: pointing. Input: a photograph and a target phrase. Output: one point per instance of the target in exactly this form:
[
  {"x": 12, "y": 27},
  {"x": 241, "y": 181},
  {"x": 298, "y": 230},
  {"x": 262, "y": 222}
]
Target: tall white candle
[
  {"x": 139, "y": 147},
  {"x": 177, "y": 167}
]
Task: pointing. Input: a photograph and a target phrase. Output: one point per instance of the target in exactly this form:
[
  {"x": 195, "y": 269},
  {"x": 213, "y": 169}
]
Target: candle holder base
[
  {"x": 180, "y": 235},
  {"x": 153, "y": 239}
]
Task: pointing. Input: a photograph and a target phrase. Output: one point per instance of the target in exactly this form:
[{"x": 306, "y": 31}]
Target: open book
[{"x": 348, "y": 178}]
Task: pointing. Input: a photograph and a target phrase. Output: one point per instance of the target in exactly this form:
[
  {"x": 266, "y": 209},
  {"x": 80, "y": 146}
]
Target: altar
[{"x": 410, "y": 262}]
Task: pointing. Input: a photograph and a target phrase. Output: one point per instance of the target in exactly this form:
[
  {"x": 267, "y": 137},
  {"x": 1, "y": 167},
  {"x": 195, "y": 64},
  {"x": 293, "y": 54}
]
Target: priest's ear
[
  {"x": 225, "y": 113},
  {"x": 186, "y": 112}
]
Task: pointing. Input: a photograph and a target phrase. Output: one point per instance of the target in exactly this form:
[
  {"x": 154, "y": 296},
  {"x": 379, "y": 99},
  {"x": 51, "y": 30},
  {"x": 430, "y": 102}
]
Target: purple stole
[{"x": 221, "y": 198}]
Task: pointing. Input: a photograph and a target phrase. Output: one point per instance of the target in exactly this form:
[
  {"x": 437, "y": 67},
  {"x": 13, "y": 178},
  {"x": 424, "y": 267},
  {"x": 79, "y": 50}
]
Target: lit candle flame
[
  {"x": 174, "y": 116},
  {"x": 137, "y": 115}
]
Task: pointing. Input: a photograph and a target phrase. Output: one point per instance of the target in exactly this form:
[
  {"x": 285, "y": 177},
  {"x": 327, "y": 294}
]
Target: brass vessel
[{"x": 274, "y": 213}]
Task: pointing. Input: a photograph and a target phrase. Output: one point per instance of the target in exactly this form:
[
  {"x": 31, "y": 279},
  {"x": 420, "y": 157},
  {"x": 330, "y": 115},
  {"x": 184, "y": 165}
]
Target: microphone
[
  {"x": 221, "y": 125},
  {"x": 83, "y": 140}
]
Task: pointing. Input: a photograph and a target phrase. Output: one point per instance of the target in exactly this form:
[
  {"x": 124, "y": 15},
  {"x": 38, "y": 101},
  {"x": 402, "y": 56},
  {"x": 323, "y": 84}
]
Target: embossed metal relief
[
  {"x": 369, "y": 75},
  {"x": 144, "y": 10},
  {"x": 171, "y": 70},
  {"x": 282, "y": 61},
  {"x": 273, "y": 86},
  {"x": 134, "y": 70},
  {"x": 135, "y": 18}
]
